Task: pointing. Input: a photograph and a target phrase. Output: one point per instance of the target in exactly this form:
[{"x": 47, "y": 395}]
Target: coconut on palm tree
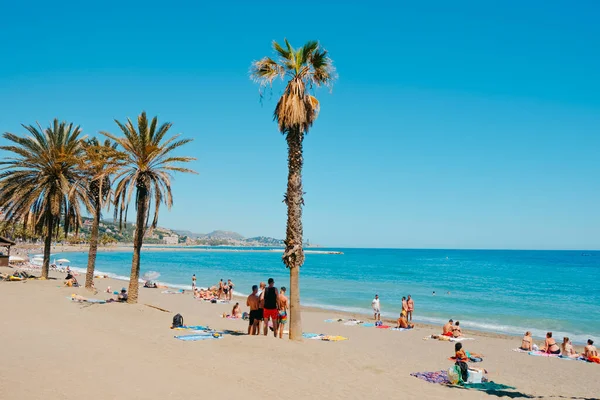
[
  {"x": 306, "y": 67},
  {"x": 100, "y": 162},
  {"x": 146, "y": 174},
  {"x": 41, "y": 182}
]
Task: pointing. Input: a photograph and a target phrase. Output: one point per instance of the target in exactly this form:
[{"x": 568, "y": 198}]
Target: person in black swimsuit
[{"x": 230, "y": 286}]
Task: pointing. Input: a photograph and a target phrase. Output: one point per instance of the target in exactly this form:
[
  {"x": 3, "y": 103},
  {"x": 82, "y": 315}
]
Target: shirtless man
[
  {"x": 447, "y": 329},
  {"x": 403, "y": 322},
  {"x": 590, "y": 350},
  {"x": 271, "y": 306},
  {"x": 376, "y": 308},
  {"x": 261, "y": 302},
  {"x": 411, "y": 307},
  {"x": 255, "y": 316},
  {"x": 283, "y": 306}
]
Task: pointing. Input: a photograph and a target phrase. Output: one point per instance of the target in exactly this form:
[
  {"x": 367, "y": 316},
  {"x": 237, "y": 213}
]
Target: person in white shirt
[{"x": 376, "y": 308}]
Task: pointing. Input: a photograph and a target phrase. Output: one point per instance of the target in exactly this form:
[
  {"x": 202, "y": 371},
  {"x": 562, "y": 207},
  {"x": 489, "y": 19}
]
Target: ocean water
[{"x": 491, "y": 290}]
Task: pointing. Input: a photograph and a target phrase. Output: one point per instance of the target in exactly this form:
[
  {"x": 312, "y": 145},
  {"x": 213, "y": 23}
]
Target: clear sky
[{"x": 452, "y": 125}]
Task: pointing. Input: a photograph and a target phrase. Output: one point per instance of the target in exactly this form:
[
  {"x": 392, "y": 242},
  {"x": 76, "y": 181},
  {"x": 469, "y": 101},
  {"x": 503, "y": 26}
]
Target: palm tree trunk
[
  {"x": 293, "y": 256},
  {"x": 47, "y": 244},
  {"x": 89, "y": 276},
  {"x": 140, "y": 225}
]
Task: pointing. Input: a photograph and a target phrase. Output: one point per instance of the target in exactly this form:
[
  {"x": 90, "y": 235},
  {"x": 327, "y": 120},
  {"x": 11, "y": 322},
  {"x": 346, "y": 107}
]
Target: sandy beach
[{"x": 55, "y": 348}]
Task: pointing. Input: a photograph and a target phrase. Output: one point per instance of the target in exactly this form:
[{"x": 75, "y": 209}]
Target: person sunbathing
[
  {"x": 70, "y": 281},
  {"x": 527, "y": 342},
  {"x": 461, "y": 354},
  {"x": 403, "y": 322},
  {"x": 590, "y": 352},
  {"x": 236, "y": 312},
  {"x": 550, "y": 345},
  {"x": 447, "y": 329},
  {"x": 566, "y": 349},
  {"x": 456, "y": 331}
]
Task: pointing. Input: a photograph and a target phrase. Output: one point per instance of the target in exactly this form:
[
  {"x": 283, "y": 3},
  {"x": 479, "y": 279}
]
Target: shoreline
[{"x": 91, "y": 343}]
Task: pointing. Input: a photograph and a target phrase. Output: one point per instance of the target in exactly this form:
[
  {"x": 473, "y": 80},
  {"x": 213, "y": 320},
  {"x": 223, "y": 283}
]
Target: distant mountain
[
  {"x": 223, "y": 235},
  {"x": 189, "y": 234}
]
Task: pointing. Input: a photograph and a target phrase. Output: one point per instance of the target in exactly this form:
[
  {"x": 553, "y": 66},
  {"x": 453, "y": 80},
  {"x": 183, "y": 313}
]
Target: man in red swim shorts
[{"x": 271, "y": 307}]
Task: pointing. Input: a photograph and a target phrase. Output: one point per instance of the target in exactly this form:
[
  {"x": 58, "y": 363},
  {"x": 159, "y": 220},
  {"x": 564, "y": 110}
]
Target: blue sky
[{"x": 452, "y": 125}]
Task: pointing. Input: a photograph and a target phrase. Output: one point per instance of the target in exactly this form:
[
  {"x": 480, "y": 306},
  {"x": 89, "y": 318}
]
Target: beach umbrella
[
  {"x": 63, "y": 260},
  {"x": 15, "y": 259}
]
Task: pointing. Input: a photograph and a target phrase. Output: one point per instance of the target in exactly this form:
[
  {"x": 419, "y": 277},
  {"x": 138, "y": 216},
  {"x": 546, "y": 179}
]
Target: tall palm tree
[
  {"x": 42, "y": 182},
  {"x": 295, "y": 113},
  {"x": 148, "y": 162},
  {"x": 100, "y": 162}
]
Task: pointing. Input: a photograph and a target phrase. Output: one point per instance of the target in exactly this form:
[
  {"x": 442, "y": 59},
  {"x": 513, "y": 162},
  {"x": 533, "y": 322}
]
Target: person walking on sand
[
  {"x": 194, "y": 282},
  {"x": 376, "y": 308},
  {"x": 271, "y": 306},
  {"x": 255, "y": 315},
  {"x": 411, "y": 307},
  {"x": 283, "y": 305}
]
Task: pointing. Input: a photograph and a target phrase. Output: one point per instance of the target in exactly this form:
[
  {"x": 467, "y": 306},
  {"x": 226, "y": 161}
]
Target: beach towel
[
  {"x": 193, "y": 328},
  {"x": 172, "y": 292},
  {"x": 93, "y": 301},
  {"x": 330, "y": 320},
  {"x": 400, "y": 329},
  {"x": 368, "y": 325},
  {"x": 542, "y": 354},
  {"x": 194, "y": 338},
  {"x": 440, "y": 377},
  {"x": 488, "y": 387},
  {"x": 460, "y": 339},
  {"x": 325, "y": 338},
  {"x": 383, "y": 327},
  {"x": 353, "y": 322},
  {"x": 520, "y": 350}
]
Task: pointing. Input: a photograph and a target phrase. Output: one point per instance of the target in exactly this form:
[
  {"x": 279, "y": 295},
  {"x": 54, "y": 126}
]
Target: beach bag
[
  {"x": 378, "y": 323},
  {"x": 463, "y": 368},
  {"x": 454, "y": 375},
  {"x": 177, "y": 321}
]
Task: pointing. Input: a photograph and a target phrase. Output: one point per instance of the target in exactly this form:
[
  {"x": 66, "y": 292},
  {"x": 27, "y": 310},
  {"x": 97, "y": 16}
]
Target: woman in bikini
[
  {"x": 566, "y": 349},
  {"x": 527, "y": 343},
  {"x": 550, "y": 345}
]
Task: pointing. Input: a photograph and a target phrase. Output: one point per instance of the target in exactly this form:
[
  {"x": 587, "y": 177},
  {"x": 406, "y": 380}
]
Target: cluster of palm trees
[
  {"x": 56, "y": 174},
  {"x": 53, "y": 175}
]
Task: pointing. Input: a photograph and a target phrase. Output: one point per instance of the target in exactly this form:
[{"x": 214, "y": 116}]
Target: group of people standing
[
  {"x": 222, "y": 291},
  {"x": 268, "y": 306},
  {"x": 405, "y": 319}
]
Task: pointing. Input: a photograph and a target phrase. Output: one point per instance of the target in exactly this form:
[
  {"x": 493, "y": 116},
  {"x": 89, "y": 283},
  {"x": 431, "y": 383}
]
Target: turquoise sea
[{"x": 492, "y": 290}]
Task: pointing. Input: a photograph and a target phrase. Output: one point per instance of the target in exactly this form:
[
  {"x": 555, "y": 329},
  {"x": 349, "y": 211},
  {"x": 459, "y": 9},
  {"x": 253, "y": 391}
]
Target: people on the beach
[
  {"x": 460, "y": 354},
  {"x": 566, "y": 349},
  {"x": 590, "y": 352},
  {"x": 550, "y": 345},
  {"x": 230, "y": 286},
  {"x": 255, "y": 314},
  {"x": 447, "y": 328},
  {"x": 376, "y": 308},
  {"x": 527, "y": 342},
  {"x": 271, "y": 308},
  {"x": 411, "y": 307},
  {"x": 283, "y": 306},
  {"x": 236, "y": 312},
  {"x": 261, "y": 302},
  {"x": 122, "y": 297},
  {"x": 221, "y": 289},
  {"x": 403, "y": 322},
  {"x": 193, "y": 281},
  {"x": 404, "y": 305},
  {"x": 456, "y": 331},
  {"x": 70, "y": 280}
]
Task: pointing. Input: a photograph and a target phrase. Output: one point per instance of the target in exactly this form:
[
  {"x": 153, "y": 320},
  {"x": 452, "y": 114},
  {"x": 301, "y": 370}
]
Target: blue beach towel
[
  {"x": 194, "y": 338},
  {"x": 309, "y": 335},
  {"x": 368, "y": 325}
]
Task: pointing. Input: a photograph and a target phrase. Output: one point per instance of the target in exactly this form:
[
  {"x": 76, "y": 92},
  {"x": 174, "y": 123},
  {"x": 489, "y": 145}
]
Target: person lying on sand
[
  {"x": 566, "y": 349},
  {"x": 456, "y": 331},
  {"x": 447, "y": 329},
  {"x": 527, "y": 342},
  {"x": 550, "y": 345},
  {"x": 403, "y": 322},
  {"x": 461, "y": 354}
]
